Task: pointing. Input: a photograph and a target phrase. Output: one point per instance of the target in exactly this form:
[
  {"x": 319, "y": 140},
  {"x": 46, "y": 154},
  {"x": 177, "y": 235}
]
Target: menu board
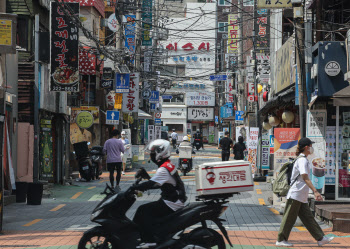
[{"x": 331, "y": 153}]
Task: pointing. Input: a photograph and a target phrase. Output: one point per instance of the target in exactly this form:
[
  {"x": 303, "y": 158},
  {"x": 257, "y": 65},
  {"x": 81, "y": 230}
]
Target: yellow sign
[
  {"x": 94, "y": 110},
  {"x": 5, "y": 32},
  {"x": 84, "y": 120},
  {"x": 270, "y": 4},
  {"x": 285, "y": 74},
  {"x": 118, "y": 101},
  {"x": 233, "y": 33}
]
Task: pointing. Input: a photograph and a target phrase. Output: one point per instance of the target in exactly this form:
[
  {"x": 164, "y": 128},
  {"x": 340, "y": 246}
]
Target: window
[
  {"x": 224, "y": 2},
  {"x": 248, "y": 3},
  {"x": 174, "y": 70},
  {"x": 223, "y": 27},
  {"x": 178, "y": 127}
]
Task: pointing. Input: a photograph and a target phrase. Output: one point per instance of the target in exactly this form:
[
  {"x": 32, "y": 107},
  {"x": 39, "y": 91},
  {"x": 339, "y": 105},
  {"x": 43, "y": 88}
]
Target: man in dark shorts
[
  {"x": 113, "y": 148},
  {"x": 226, "y": 144}
]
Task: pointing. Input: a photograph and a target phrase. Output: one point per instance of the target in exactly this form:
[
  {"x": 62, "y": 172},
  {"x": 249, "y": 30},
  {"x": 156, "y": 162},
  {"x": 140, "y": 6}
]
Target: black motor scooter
[
  {"x": 81, "y": 152},
  {"x": 116, "y": 231},
  {"x": 96, "y": 154}
]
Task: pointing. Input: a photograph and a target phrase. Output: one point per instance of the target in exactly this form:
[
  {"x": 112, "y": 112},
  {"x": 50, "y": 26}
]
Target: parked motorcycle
[
  {"x": 197, "y": 143},
  {"x": 96, "y": 154},
  {"x": 81, "y": 152},
  {"x": 116, "y": 231}
]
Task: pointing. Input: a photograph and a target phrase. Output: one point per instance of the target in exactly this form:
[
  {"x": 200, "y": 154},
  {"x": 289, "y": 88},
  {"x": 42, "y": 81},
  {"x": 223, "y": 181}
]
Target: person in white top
[
  {"x": 297, "y": 199},
  {"x": 174, "y": 138},
  {"x": 126, "y": 154}
]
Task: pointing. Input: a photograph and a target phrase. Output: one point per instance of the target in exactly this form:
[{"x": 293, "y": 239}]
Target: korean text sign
[
  {"x": 265, "y": 146},
  {"x": 200, "y": 99},
  {"x": 64, "y": 42},
  {"x": 233, "y": 33},
  {"x": 285, "y": 145},
  {"x": 146, "y": 22},
  {"x": 200, "y": 113},
  {"x": 316, "y": 122},
  {"x": 262, "y": 29},
  {"x": 279, "y": 4},
  {"x": 253, "y": 147},
  {"x": 131, "y": 99}
]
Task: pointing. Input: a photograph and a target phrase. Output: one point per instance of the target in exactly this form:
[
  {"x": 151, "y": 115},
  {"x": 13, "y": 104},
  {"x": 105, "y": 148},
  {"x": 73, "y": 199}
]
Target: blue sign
[
  {"x": 130, "y": 35},
  {"x": 157, "y": 121},
  {"x": 239, "y": 115},
  {"x": 112, "y": 117},
  {"x": 216, "y": 119},
  {"x": 152, "y": 107},
  {"x": 154, "y": 97},
  {"x": 167, "y": 97},
  {"x": 218, "y": 77},
  {"x": 122, "y": 83},
  {"x": 226, "y": 112}
]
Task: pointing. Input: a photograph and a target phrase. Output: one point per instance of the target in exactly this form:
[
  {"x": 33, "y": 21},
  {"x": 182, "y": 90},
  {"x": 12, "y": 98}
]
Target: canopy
[
  {"x": 342, "y": 97},
  {"x": 144, "y": 115}
]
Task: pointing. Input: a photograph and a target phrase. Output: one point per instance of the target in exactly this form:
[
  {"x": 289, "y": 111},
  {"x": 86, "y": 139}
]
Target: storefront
[
  {"x": 202, "y": 118},
  {"x": 175, "y": 117}
]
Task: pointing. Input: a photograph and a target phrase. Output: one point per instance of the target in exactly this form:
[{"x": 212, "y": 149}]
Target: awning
[
  {"x": 281, "y": 100},
  {"x": 342, "y": 97},
  {"x": 144, "y": 115}
]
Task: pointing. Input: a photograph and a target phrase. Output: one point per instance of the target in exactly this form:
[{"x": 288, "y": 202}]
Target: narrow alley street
[{"x": 60, "y": 221}]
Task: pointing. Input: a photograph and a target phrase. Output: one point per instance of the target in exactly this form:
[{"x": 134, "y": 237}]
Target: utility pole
[
  {"x": 299, "y": 38},
  {"x": 240, "y": 49}
]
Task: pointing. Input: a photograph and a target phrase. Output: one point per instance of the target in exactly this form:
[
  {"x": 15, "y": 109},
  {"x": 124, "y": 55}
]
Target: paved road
[{"x": 61, "y": 219}]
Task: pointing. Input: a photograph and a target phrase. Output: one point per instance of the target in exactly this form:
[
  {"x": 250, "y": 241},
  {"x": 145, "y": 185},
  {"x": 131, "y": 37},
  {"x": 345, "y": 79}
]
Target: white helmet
[
  {"x": 185, "y": 138},
  {"x": 159, "y": 149},
  {"x": 123, "y": 133}
]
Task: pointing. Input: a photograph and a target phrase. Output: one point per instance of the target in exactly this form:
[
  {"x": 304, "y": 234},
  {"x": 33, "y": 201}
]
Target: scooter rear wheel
[{"x": 96, "y": 239}]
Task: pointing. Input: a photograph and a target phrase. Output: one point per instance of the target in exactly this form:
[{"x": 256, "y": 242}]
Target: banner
[
  {"x": 265, "y": 146},
  {"x": 316, "y": 121},
  {"x": 285, "y": 146},
  {"x": 130, "y": 35},
  {"x": 253, "y": 147},
  {"x": 64, "y": 46},
  {"x": 200, "y": 114},
  {"x": 262, "y": 29},
  {"x": 200, "y": 99},
  {"x": 146, "y": 22},
  {"x": 279, "y": 4},
  {"x": 229, "y": 89},
  {"x": 151, "y": 133},
  {"x": 233, "y": 34},
  {"x": 331, "y": 153},
  {"x": 131, "y": 99}
]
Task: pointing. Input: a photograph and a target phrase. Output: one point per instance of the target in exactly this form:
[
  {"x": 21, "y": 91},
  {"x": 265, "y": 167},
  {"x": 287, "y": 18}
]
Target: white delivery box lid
[
  {"x": 222, "y": 178},
  {"x": 185, "y": 152}
]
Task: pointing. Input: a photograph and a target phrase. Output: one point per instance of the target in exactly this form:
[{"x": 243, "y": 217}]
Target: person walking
[
  {"x": 297, "y": 203},
  {"x": 126, "y": 154},
  {"x": 238, "y": 149},
  {"x": 113, "y": 147},
  {"x": 174, "y": 138},
  {"x": 226, "y": 144}
]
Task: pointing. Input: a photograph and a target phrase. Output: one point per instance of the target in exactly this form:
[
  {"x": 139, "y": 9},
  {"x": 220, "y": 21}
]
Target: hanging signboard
[
  {"x": 118, "y": 101},
  {"x": 64, "y": 42},
  {"x": 233, "y": 34},
  {"x": 94, "y": 110},
  {"x": 84, "y": 119},
  {"x": 131, "y": 99},
  {"x": 146, "y": 22},
  {"x": 265, "y": 154},
  {"x": 112, "y": 117},
  {"x": 110, "y": 99},
  {"x": 262, "y": 29},
  {"x": 107, "y": 84},
  {"x": 285, "y": 75},
  {"x": 130, "y": 35},
  {"x": 253, "y": 147},
  {"x": 200, "y": 99},
  {"x": 229, "y": 89},
  {"x": 277, "y": 4},
  {"x": 112, "y": 23},
  {"x": 316, "y": 123},
  {"x": 200, "y": 114},
  {"x": 122, "y": 83},
  {"x": 150, "y": 133}
]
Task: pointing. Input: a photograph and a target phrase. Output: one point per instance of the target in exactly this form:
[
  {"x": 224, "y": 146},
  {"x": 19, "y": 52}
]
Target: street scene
[{"x": 174, "y": 124}]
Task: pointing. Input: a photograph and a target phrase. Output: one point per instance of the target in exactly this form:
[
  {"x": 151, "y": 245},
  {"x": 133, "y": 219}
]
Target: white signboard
[
  {"x": 151, "y": 133},
  {"x": 316, "y": 124},
  {"x": 229, "y": 89},
  {"x": 253, "y": 147},
  {"x": 174, "y": 113},
  {"x": 112, "y": 23},
  {"x": 157, "y": 132},
  {"x": 201, "y": 114},
  {"x": 131, "y": 99},
  {"x": 200, "y": 99}
]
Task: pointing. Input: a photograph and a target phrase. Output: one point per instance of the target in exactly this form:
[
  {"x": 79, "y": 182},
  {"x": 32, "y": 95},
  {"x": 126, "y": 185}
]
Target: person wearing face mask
[
  {"x": 126, "y": 154},
  {"x": 297, "y": 199}
]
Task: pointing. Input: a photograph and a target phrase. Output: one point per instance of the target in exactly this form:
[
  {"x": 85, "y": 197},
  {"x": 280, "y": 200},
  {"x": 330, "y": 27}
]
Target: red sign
[
  {"x": 158, "y": 115},
  {"x": 188, "y": 46},
  {"x": 251, "y": 98}
]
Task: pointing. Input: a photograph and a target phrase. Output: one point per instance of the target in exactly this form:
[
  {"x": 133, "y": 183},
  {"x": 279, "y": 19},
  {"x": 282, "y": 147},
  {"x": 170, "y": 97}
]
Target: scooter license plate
[
  {"x": 85, "y": 168},
  {"x": 184, "y": 165}
]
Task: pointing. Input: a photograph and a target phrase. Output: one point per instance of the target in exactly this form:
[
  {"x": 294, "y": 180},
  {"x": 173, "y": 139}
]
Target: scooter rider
[
  {"x": 186, "y": 142},
  {"x": 198, "y": 135},
  {"x": 173, "y": 195}
]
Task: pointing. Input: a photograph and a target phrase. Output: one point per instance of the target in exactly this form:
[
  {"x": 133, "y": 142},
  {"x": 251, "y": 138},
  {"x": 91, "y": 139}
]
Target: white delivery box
[
  {"x": 221, "y": 178},
  {"x": 185, "y": 152}
]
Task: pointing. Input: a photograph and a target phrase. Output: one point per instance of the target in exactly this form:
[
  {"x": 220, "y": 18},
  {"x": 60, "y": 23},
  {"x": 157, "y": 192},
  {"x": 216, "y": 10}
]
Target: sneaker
[
  {"x": 147, "y": 245},
  {"x": 324, "y": 240},
  {"x": 123, "y": 173},
  {"x": 284, "y": 243}
]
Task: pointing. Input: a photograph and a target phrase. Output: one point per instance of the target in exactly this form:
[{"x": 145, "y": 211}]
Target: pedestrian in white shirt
[
  {"x": 174, "y": 138},
  {"x": 126, "y": 154},
  {"x": 297, "y": 203}
]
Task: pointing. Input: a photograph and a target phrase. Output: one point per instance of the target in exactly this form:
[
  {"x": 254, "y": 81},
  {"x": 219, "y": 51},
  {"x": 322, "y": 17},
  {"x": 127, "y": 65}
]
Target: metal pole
[
  {"x": 36, "y": 104},
  {"x": 240, "y": 48},
  {"x": 89, "y": 90}
]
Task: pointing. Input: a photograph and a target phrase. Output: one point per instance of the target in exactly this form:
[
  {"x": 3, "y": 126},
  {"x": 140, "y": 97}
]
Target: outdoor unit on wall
[{"x": 328, "y": 69}]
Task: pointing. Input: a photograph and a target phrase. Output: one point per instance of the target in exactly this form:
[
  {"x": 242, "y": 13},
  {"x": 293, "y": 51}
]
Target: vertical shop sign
[
  {"x": 157, "y": 132},
  {"x": 253, "y": 147},
  {"x": 46, "y": 153},
  {"x": 130, "y": 35},
  {"x": 316, "y": 123},
  {"x": 265, "y": 146},
  {"x": 150, "y": 133},
  {"x": 330, "y": 158},
  {"x": 146, "y": 22},
  {"x": 64, "y": 42},
  {"x": 131, "y": 99},
  {"x": 262, "y": 29},
  {"x": 233, "y": 34},
  {"x": 229, "y": 89},
  {"x": 285, "y": 145}
]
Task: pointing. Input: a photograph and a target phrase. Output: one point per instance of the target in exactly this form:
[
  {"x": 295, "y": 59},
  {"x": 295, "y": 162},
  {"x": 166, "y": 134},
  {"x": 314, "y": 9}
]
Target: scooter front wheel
[
  {"x": 205, "y": 238},
  {"x": 95, "y": 238}
]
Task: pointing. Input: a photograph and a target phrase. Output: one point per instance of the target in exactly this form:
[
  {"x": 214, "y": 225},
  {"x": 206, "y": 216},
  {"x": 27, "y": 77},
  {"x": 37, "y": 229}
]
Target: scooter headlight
[{"x": 95, "y": 214}]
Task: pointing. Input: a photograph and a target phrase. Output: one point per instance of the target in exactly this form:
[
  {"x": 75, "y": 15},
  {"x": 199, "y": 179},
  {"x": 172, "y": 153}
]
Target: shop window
[
  {"x": 223, "y": 28},
  {"x": 178, "y": 128},
  {"x": 224, "y": 2}
]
